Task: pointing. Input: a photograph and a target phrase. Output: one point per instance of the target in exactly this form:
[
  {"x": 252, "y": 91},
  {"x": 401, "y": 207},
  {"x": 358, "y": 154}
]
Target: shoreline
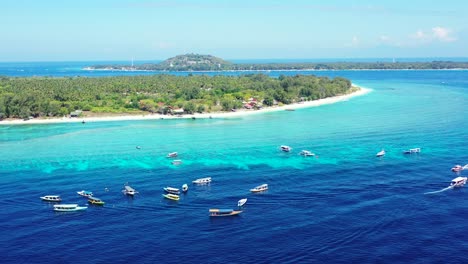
[{"x": 218, "y": 115}]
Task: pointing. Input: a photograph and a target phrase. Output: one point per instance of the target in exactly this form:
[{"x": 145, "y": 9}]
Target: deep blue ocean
[{"x": 343, "y": 206}]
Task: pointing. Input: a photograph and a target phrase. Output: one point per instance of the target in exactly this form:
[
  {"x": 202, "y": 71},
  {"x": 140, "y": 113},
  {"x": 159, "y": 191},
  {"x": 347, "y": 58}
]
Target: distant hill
[{"x": 197, "y": 62}]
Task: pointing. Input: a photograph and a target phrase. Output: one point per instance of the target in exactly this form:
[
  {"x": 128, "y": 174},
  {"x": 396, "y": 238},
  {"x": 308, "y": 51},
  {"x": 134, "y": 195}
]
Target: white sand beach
[{"x": 238, "y": 113}]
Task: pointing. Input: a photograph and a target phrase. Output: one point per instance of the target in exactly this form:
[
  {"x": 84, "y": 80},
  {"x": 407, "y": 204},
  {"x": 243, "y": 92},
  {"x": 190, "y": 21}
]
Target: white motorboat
[
  {"x": 260, "y": 188},
  {"x": 202, "y": 180},
  {"x": 285, "y": 148},
  {"x": 171, "y": 190},
  {"x": 241, "y": 202},
  {"x": 84, "y": 193},
  {"x": 458, "y": 182},
  {"x": 129, "y": 190},
  {"x": 380, "y": 153},
  {"x": 51, "y": 198},
  {"x": 185, "y": 187},
  {"x": 68, "y": 207},
  {"x": 172, "y": 155},
  {"x": 412, "y": 151},
  {"x": 306, "y": 153}
]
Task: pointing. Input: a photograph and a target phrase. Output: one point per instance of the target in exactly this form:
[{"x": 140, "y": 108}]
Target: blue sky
[{"x": 152, "y": 30}]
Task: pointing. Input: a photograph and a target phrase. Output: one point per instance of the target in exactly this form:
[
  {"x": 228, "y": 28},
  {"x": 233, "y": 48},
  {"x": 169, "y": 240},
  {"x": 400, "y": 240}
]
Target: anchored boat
[
  {"x": 51, "y": 198},
  {"x": 224, "y": 212},
  {"x": 260, "y": 188},
  {"x": 68, "y": 207},
  {"x": 129, "y": 190},
  {"x": 95, "y": 201},
  {"x": 171, "y": 190},
  {"x": 85, "y": 193},
  {"x": 171, "y": 196}
]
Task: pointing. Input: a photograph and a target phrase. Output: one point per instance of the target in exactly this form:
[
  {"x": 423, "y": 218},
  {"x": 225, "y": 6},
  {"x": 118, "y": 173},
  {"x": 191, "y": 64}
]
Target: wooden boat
[
  {"x": 95, "y": 201},
  {"x": 51, "y": 198},
  {"x": 129, "y": 190},
  {"x": 68, "y": 207},
  {"x": 202, "y": 180},
  {"x": 185, "y": 187},
  {"x": 412, "y": 151},
  {"x": 171, "y": 190},
  {"x": 172, "y": 155},
  {"x": 171, "y": 196},
  {"x": 458, "y": 182},
  {"x": 260, "y": 188},
  {"x": 241, "y": 202},
  {"x": 285, "y": 148},
  {"x": 380, "y": 153},
  {"x": 224, "y": 212},
  {"x": 84, "y": 193}
]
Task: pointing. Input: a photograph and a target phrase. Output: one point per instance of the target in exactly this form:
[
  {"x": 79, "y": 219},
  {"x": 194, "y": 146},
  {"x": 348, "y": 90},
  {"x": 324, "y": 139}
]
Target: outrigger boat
[
  {"x": 458, "y": 182},
  {"x": 458, "y": 168},
  {"x": 95, "y": 201},
  {"x": 260, "y": 188},
  {"x": 51, "y": 198},
  {"x": 172, "y": 155},
  {"x": 171, "y": 190},
  {"x": 171, "y": 196},
  {"x": 202, "y": 180},
  {"x": 224, "y": 212},
  {"x": 185, "y": 187},
  {"x": 413, "y": 150},
  {"x": 68, "y": 207},
  {"x": 129, "y": 190},
  {"x": 85, "y": 193}
]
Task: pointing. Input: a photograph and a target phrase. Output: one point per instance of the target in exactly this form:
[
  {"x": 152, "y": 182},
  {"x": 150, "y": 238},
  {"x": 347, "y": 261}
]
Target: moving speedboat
[
  {"x": 202, "y": 180},
  {"x": 51, "y": 198},
  {"x": 380, "y": 153},
  {"x": 458, "y": 182},
  {"x": 285, "y": 148},
  {"x": 68, "y": 207},
  {"x": 172, "y": 155}
]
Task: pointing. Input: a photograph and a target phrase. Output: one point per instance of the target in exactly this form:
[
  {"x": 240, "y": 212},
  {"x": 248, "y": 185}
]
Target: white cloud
[
  {"x": 354, "y": 42},
  {"x": 443, "y": 34},
  {"x": 435, "y": 34}
]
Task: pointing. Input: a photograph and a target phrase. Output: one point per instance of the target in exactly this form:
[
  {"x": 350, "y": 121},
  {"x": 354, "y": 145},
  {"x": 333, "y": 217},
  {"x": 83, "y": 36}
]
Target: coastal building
[{"x": 76, "y": 113}]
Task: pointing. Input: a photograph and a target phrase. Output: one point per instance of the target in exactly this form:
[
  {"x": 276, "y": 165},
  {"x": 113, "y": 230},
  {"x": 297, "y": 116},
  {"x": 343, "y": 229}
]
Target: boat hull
[{"x": 172, "y": 197}]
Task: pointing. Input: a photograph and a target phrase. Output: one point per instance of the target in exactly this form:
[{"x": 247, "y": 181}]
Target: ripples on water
[{"x": 344, "y": 206}]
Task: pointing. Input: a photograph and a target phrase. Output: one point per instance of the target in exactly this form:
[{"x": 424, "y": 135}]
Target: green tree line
[{"x": 51, "y": 97}]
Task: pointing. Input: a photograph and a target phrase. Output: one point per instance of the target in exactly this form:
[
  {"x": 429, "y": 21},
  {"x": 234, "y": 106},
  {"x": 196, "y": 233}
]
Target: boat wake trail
[{"x": 439, "y": 191}]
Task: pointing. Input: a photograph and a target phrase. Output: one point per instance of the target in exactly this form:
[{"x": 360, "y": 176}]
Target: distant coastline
[{"x": 217, "y": 115}]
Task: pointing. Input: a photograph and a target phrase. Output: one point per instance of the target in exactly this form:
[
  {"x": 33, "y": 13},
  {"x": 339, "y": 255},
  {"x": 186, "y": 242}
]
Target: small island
[
  {"x": 163, "y": 94},
  {"x": 197, "y": 62}
]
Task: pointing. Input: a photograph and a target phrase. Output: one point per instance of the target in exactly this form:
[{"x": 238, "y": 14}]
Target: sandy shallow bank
[{"x": 238, "y": 113}]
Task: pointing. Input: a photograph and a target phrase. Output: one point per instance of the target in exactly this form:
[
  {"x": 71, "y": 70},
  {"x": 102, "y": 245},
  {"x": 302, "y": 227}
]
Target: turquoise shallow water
[{"x": 346, "y": 205}]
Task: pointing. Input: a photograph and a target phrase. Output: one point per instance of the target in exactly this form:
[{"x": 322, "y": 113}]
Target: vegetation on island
[
  {"x": 196, "y": 62},
  {"x": 165, "y": 94}
]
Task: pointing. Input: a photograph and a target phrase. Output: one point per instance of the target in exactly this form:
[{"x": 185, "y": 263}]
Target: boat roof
[
  {"x": 129, "y": 189},
  {"x": 221, "y": 210},
  {"x": 457, "y": 179},
  {"x": 86, "y": 192},
  {"x": 51, "y": 196},
  {"x": 94, "y": 198},
  {"x": 263, "y": 185},
  {"x": 171, "y": 188},
  {"x": 66, "y": 205}
]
